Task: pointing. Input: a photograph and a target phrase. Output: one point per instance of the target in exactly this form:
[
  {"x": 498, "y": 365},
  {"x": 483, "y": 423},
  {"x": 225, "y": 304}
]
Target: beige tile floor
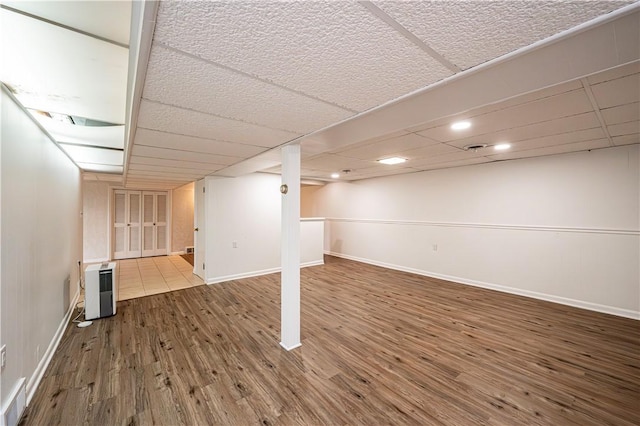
[{"x": 153, "y": 275}]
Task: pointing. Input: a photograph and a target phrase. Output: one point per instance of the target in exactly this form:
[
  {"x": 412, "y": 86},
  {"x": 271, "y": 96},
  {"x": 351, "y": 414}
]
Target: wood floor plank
[{"x": 379, "y": 347}]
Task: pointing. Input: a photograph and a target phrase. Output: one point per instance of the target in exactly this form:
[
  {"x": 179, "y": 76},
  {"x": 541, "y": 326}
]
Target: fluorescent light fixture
[
  {"x": 502, "y": 146},
  {"x": 461, "y": 125},
  {"x": 335, "y": 175},
  {"x": 392, "y": 160}
]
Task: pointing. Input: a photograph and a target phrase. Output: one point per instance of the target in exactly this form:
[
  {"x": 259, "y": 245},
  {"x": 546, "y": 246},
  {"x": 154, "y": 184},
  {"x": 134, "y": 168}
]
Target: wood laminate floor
[{"x": 379, "y": 347}]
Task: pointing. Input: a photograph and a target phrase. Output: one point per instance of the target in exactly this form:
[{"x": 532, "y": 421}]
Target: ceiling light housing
[
  {"x": 393, "y": 160},
  {"x": 335, "y": 175},
  {"x": 461, "y": 125},
  {"x": 501, "y": 146}
]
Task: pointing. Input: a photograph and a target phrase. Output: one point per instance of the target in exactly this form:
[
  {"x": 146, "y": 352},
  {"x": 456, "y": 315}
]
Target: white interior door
[
  {"x": 126, "y": 224},
  {"x": 154, "y": 223},
  {"x": 198, "y": 232}
]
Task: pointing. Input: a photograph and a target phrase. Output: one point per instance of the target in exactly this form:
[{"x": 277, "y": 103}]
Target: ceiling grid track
[
  {"x": 596, "y": 109},
  {"x": 380, "y": 14}
]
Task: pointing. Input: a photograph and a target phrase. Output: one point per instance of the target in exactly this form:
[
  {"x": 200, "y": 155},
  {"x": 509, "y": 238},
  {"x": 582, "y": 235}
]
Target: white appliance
[{"x": 100, "y": 291}]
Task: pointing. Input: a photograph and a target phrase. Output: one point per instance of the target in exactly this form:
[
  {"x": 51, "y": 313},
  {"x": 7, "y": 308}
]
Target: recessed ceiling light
[
  {"x": 392, "y": 160},
  {"x": 502, "y": 146},
  {"x": 335, "y": 175},
  {"x": 461, "y": 125}
]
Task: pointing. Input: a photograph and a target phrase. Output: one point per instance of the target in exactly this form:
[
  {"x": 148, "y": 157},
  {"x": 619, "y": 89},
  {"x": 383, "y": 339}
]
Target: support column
[{"x": 290, "y": 249}]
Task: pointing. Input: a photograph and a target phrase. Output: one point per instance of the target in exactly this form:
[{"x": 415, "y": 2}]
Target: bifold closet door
[
  {"x": 126, "y": 224},
  {"x": 154, "y": 223}
]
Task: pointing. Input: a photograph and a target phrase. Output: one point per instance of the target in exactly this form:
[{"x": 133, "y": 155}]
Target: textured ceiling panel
[
  {"x": 561, "y": 139},
  {"x": 335, "y": 51},
  {"x": 587, "y": 120},
  {"x": 188, "y": 143},
  {"x": 468, "y": 33},
  {"x": 560, "y": 149},
  {"x": 457, "y": 155},
  {"x": 621, "y": 114},
  {"x": 626, "y": 139},
  {"x": 171, "y": 163},
  {"x": 177, "y": 120},
  {"x": 620, "y": 91},
  {"x": 388, "y": 147},
  {"x": 173, "y": 154},
  {"x": 332, "y": 162},
  {"x": 428, "y": 152},
  {"x": 566, "y": 104},
  {"x": 628, "y": 128},
  {"x": 176, "y": 79}
]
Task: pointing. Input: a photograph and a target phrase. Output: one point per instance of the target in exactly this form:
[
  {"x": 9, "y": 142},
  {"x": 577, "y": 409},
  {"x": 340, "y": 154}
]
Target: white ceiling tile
[
  {"x": 86, "y": 154},
  {"x": 335, "y": 163},
  {"x": 57, "y": 70},
  {"x": 469, "y": 33},
  {"x": 184, "y": 170},
  {"x": 615, "y": 73},
  {"x": 172, "y": 163},
  {"x": 428, "y": 152},
  {"x": 174, "y": 154},
  {"x": 587, "y": 120},
  {"x": 628, "y": 128},
  {"x": 172, "y": 119},
  {"x": 621, "y": 114},
  {"x": 553, "y": 107},
  {"x": 335, "y": 51},
  {"x": 558, "y": 139},
  {"x": 626, "y": 139},
  {"x": 624, "y": 90},
  {"x": 456, "y": 163},
  {"x": 106, "y": 136},
  {"x": 100, "y": 168},
  {"x": 559, "y": 149},
  {"x": 389, "y": 147},
  {"x": 146, "y": 137},
  {"x": 177, "y": 79},
  {"x": 452, "y": 156},
  {"x": 168, "y": 175},
  {"x": 106, "y": 19}
]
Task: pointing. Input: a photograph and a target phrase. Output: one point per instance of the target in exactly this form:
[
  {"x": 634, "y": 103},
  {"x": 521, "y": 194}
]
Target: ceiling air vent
[{"x": 475, "y": 147}]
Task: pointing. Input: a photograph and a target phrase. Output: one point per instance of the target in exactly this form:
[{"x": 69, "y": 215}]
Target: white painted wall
[
  {"x": 246, "y": 210},
  {"x": 95, "y": 220},
  {"x": 562, "y": 228},
  {"x": 41, "y": 234},
  {"x": 182, "y": 218}
]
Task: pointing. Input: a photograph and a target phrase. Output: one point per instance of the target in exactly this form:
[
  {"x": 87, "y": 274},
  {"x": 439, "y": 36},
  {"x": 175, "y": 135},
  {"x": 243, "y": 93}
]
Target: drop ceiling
[
  {"x": 67, "y": 64},
  {"x": 221, "y": 86}
]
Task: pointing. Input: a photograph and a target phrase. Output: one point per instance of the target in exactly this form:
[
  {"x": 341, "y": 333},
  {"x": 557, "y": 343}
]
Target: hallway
[{"x": 153, "y": 275}]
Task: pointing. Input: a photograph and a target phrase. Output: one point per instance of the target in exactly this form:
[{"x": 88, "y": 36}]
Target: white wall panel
[
  {"x": 563, "y": 227},
  {"x": 41, "y": 244}
]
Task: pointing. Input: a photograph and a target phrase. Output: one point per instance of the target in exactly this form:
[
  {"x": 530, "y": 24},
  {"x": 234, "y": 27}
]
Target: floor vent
[
  {"x": 15, "y": 404},
  {"x": 188, "y": 250}
]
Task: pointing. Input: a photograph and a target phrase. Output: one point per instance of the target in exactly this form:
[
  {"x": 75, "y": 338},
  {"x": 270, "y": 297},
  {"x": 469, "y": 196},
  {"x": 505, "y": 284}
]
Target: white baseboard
[
  {"x": 289, "y": 348},
  {"x": 34, "y": 380},
  {"x": 13, "y": 406},
  {"x": 258, "y": 273},
  {"x": 612, "y": 310},
  {"x": 99, "y": 260}
]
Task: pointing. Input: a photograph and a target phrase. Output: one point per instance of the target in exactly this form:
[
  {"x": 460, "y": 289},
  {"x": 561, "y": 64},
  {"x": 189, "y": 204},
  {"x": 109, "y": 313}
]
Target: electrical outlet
[
  {"x": 435, "y": 247},
  {"x": 234, "y": 244},
  {"x": 3, "y": 356}
]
